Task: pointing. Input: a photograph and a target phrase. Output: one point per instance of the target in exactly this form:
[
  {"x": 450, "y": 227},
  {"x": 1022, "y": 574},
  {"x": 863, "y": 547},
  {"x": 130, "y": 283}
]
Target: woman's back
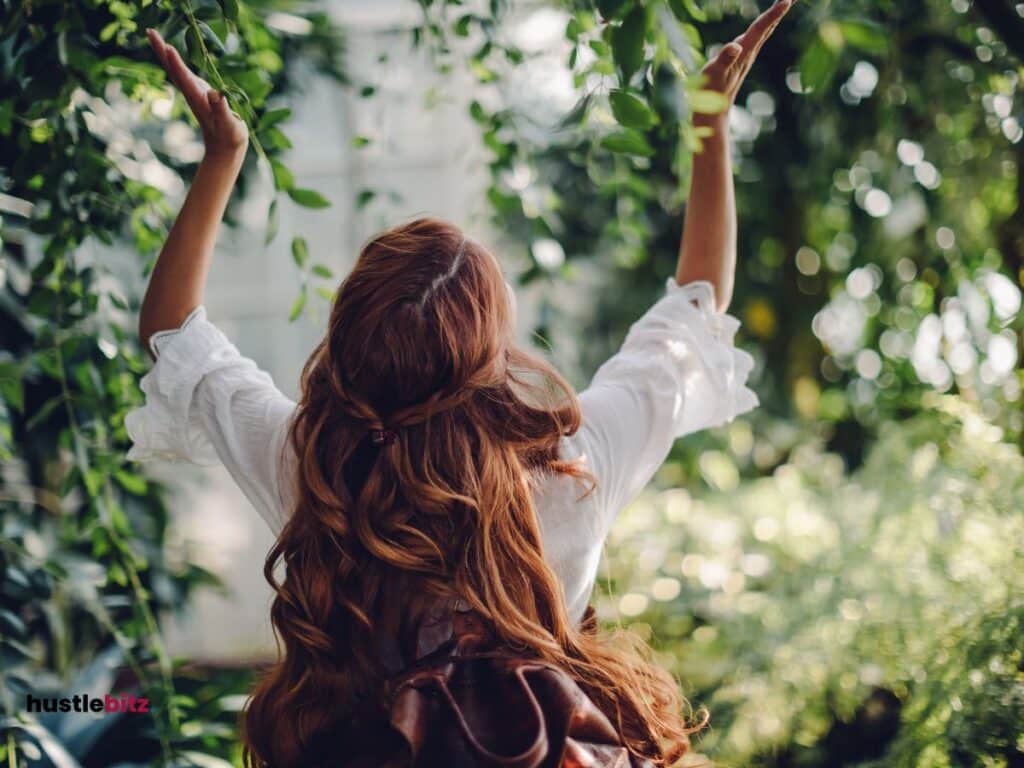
[{"x": 429, "y": 456}]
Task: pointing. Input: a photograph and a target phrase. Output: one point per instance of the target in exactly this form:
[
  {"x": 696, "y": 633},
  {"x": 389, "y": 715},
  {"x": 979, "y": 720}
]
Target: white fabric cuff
[
  {"x": 166, "y": 426},
  {"x": 702, "y": 329}
]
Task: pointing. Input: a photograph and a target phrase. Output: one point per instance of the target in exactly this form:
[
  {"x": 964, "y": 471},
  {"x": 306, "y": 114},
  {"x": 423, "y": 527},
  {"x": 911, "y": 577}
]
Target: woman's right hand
[
  {"x": 225, "y": 134},
  {"x": 726, "y": 72}
]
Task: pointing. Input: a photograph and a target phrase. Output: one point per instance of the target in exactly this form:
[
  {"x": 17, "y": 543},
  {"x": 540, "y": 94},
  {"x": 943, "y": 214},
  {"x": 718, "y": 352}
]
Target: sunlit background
[{"x": 838, "y": 576}]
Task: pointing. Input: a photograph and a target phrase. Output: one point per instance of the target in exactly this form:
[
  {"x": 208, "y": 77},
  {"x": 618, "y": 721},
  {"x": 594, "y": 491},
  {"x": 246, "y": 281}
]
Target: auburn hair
[{"x": 421, "y": 344}]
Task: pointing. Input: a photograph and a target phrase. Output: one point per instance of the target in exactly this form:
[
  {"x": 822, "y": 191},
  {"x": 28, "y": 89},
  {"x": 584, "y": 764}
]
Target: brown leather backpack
[{"x": 458, "y": 698}]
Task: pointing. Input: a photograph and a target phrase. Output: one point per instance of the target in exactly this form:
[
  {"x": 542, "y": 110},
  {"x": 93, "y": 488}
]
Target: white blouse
[{"x": 677, "y": 372}]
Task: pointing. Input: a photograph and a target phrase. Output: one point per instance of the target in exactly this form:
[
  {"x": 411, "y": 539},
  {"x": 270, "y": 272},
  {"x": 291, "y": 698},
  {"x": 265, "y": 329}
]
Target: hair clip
[{"x": 382, "y": 436}]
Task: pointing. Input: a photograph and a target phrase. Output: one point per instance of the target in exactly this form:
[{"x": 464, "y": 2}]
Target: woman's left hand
[
  {"x": 726, "y": 72},
  {"x": 225, "y": 134}
]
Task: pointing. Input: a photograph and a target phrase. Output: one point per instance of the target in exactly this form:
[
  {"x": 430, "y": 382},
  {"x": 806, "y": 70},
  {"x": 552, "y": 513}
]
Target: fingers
[
  {"x": 734, "y": 61},
  {"x": 192, "y": 87},
  {"x": 758, "y": 33},
  {"x": 725, "y": 60},
  {"x": 156, "y": 42},
  {"x": 753, "y": 40},
  {"x": 219, "y": 108},
  {"x": 730, "y": 54}
]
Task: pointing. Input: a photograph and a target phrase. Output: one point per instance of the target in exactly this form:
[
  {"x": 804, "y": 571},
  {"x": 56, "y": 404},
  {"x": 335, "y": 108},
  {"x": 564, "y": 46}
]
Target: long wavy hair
[{"x": 421, "y": 342}]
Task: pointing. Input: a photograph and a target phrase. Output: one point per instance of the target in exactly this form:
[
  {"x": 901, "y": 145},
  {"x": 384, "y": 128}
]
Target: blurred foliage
[
  {"x": 828, "y": 618},
  {"x": 95, "y": 151},
  {"x": 840, "y": 582},
  {"x": 877, "y": 147}
]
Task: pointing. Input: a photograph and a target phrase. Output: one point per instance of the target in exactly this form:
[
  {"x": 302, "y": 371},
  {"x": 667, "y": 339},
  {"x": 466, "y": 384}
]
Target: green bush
[{"x": 834, "y": 618}]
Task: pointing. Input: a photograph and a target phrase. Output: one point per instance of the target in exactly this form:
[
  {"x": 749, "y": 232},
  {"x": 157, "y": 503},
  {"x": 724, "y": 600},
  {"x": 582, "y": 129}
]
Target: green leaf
[
  {"x": 93, "y": 480},
  {"x": 265, "y": 59},
  {"x": 300, "y": 251},
  {"x": 274, "y": 137},
  {"x": 818, "y": 65},
  {"x": 109, "y": 31},
  {"x": 131, "y": 482},
  {"x": 12, "y": 387},
  {"x": 119, "y": 520},
  {"x": 273, "y": 221},
  {"x": 631, "y": 111},
  {"x": 273, "y": 117},
  {"x": 322, "y": 270},
  {"x": 461, "y": 27},
  {"x": 283, "y": 178},
  {"x": 193, "y": 44},
  {"x": 297, "y": 305},
  {"x": 707, "y": 102},
  {"x": 695, "y": 11},
  {"x": 308, "y": 198},
  {"x": 627, "y": 142},
  {"x": 116, "y": 574},
  {"x": 504, "y": 204},
  {"x": 572, "y": 30},
  {"x": 230, "y": 9},
  {"x": 360, "y": 141},
  {"x": 832, "y": 35},
  {"x": 213, "y": 43},
  {"x": 628, "y": 43},
  {"x": 577, "y": 114},
  {"x": 865, "y": 36},
  {"x": 364, "y": 198}
]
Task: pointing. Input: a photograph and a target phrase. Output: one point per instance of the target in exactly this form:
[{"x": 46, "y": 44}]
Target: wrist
[
  {"x": 226, "y": 157},
  {"x": 719, "y": 123},
  {"x": 713, "y": 131}
]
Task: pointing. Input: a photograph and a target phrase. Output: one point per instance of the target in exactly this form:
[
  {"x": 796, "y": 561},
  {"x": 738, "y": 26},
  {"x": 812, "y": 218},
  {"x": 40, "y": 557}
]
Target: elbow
[
  {"x": 147, "y": 327},
  {"x": 153, "y": 321},
  {"x": 723, "y": 290},
  {"x": 721, "y": 285},
  {"x": 145, "y": 331}
]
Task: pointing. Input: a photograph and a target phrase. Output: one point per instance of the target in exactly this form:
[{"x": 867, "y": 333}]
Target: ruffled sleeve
[
  {"x": 678, "y": 372},
  {"x": 207, "y": 404}
]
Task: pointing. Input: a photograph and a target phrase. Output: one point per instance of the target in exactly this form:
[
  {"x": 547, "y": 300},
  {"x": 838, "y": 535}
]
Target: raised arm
[
  {"x": 708, "y": 248},
  {"x": 178, "y": 281}
]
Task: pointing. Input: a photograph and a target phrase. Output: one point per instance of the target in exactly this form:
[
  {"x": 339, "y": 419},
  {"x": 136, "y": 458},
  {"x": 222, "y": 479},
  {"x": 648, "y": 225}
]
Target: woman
[{"x": 441, "y": 496}]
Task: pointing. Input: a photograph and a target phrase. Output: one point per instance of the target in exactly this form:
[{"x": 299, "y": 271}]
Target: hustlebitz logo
[{"x": 82, "y": 702}]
